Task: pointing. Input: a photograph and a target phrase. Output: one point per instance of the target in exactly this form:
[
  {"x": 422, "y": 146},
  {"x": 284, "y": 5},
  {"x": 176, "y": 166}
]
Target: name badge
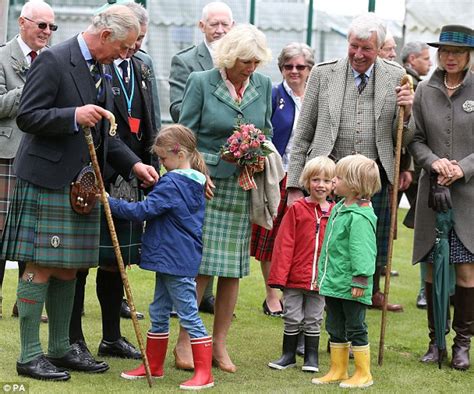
[{"x": 134, "y": 124}]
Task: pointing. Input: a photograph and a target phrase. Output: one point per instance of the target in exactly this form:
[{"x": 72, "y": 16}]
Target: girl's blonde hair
[
  {"x": 178, "y": 138},
  {"x": 320, "y": 165},
  {"x": 360, "y": 174}
]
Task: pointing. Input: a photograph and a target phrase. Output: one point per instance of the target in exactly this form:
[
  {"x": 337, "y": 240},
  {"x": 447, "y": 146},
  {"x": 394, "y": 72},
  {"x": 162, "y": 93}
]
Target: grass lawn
[{"x": 254, "y": 340}]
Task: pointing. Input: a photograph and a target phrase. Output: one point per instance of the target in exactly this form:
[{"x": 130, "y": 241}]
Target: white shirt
[
  {"x": 25, "y": 49},
  {"x": 297, "y": 100}
]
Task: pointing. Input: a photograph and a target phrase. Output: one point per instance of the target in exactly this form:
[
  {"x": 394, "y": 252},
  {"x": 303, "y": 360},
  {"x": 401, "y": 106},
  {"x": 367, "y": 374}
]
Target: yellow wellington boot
[
  {"x": 339, "y": 363},
  {"x": 362, "y": 376}
]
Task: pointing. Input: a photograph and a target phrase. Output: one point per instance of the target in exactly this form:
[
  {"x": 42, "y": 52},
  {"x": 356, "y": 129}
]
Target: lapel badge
[
  {"x": 468, "y": 106},
  {"x": 143, "y": 85},
  {"x": 281, "y": 104},
  {"x": 116, "y": 91}
]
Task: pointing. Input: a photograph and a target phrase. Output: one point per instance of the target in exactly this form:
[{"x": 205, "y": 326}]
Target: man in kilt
[
  {"x": 15, "y": 59},
  {"x": 350, "y": 107},
  {"x": 133, "y": 107},
  {"x": 65, "y": 91}
]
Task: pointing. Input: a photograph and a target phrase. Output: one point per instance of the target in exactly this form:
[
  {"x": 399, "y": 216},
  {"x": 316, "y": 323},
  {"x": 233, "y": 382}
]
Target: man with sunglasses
[{"x": 36, "y": 24}]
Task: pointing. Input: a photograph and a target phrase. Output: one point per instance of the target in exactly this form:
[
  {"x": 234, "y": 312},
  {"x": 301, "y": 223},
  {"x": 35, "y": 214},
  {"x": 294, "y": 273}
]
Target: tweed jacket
[
  {"x": 444, "y": 129},
  {"x": 194, "y": 58},
  {"x": 53, "y": 149},
  {"x": 13, "y": 69},
  {"x": 320, "y": 118},
  {"x": 212, "y": 114}
]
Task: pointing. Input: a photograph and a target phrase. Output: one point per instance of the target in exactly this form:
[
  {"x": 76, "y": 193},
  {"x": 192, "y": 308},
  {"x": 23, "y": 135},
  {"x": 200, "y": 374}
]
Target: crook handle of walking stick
[
  {"x": 393, "y": 218},
  {"x": 115, "y": 242}
]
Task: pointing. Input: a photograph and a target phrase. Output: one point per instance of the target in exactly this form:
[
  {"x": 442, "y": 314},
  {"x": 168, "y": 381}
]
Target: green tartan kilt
[
  {"x": 129, "y": 235},
  {"x": 226, "y": 232},
  {"x": 42, "y": 228}
]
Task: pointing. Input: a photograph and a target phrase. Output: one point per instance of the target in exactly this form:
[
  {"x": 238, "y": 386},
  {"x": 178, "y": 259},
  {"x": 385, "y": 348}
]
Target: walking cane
[
  {"x": 393, "y": 219},
  {"x": 115, "y": 242}
]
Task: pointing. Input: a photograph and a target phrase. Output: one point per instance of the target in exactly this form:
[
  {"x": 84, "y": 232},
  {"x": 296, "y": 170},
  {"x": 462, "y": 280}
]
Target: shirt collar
[
  {"x": 368, "y": 73},
  {"x": 209, "y": 48},
  {"x": 24, "y": 46},
  {"x": 84, "y": 48},
  {"x": 290, "y": 92}
]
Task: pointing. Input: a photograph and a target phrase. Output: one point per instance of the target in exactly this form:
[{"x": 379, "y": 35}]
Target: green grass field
[{"x": 254, "y": 340}]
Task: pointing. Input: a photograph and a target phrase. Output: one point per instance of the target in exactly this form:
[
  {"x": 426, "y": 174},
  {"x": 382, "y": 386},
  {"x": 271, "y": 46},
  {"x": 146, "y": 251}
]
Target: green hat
[
  {"x": 456, "y": 36},
  {"x": 111, "y": 3}
]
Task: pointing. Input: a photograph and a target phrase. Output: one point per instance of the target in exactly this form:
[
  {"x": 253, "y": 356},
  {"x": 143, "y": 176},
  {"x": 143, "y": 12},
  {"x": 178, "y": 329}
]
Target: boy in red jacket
[{"x": 294, "y": 266}]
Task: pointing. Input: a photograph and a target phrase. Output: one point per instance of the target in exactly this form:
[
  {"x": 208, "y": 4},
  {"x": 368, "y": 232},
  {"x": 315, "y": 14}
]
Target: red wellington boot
[
  {"x": 202, "y": 355},
  {"x": 156, "y": 345}
]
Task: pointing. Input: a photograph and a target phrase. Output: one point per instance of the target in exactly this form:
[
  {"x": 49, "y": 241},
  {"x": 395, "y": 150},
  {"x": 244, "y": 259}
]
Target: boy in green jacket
[{"x": 346, "y": 266}]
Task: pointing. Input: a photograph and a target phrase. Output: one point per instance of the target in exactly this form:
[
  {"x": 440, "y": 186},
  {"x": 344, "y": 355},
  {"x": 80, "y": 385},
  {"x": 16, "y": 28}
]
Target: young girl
[
  {"x": 294, "y": 265},
  {"x": 346, "y": 266},
  {"x": 172, "y": 247}
]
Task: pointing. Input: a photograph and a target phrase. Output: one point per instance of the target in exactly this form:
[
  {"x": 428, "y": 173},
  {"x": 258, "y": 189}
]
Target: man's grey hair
[
  {"x": 364, "y": 25},
  {"x": 140, "y": 12},
  {"x": 119, "y": 19},
  {"x": 413, "y": 47},
  {"x": 213, "y": 6},
  {"x": 33, "y": 5}
]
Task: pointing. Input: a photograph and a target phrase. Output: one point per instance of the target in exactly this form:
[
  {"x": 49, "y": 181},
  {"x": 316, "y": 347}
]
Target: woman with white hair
[{"x": 215, "y": 101}]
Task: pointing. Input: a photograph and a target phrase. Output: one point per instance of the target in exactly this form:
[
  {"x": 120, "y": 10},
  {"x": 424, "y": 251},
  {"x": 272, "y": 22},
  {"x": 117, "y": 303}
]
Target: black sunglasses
[
  {"x": 299, "y": 67},
  {"x": 43, "y": 25}
]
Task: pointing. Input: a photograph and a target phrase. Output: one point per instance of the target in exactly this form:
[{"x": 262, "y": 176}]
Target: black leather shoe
[
  {"x": 41, "y": 368},
  {"x": 126, "y": 313},
  {"x": 120, "y": 348},
  {"x": 79, "y": 358},
  {"x": 207, "y": 305}
]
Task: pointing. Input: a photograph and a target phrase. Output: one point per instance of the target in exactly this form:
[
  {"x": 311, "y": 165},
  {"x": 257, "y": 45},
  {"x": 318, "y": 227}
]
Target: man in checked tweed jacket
[{"x": 343, "y": 115}]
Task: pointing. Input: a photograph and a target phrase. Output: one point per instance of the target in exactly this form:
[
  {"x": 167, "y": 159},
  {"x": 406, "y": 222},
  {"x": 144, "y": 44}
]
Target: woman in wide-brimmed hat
[{"x": 444, "y": 115}]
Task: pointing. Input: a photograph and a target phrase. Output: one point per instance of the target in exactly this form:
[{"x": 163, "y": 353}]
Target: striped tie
[
  {"x": 363, "y": 82},
  {"x": 97, "y": 77}
]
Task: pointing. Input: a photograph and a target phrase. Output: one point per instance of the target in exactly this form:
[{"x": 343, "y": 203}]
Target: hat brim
[{"x": 449, "y": 44}]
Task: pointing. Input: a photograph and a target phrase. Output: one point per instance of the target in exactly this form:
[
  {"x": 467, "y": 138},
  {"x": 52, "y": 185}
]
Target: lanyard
[{"x": 132, "y": 90}]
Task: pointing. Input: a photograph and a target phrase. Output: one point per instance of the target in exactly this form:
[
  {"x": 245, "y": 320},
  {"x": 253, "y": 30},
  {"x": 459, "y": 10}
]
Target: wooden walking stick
[
  {"x": 393, "y": 219},
  {"x": 115, "y": 242}
]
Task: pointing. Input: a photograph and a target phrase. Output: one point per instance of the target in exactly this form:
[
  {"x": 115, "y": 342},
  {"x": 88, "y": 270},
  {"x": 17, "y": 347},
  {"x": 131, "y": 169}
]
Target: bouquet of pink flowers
[{"x": 247, "y": 148}]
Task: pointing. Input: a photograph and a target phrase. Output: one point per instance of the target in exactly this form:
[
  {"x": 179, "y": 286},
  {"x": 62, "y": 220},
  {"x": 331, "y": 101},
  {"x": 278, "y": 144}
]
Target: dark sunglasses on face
[
  {"x": 43, "y": 25},
  {"x": 299, "y": 67}
]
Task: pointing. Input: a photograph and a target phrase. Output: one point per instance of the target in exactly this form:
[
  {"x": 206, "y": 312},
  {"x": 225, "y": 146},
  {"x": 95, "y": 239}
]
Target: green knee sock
[
  {"x": 59, "y": 302},
  {"x": 30, "y": 300}
]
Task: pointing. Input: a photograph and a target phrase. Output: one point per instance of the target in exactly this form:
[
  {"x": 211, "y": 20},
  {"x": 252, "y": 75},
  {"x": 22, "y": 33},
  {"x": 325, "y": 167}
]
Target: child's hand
[{"x": 357, "y": 292}]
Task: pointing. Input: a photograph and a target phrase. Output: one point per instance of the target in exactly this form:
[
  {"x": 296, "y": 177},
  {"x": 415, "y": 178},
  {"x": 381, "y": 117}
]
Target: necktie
[
  {"x": 97, "y": 77},
  {"x": 33, "y": 55},
  {"x": 363, "y": 82},
  {"x": 125, "y": 77}
]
